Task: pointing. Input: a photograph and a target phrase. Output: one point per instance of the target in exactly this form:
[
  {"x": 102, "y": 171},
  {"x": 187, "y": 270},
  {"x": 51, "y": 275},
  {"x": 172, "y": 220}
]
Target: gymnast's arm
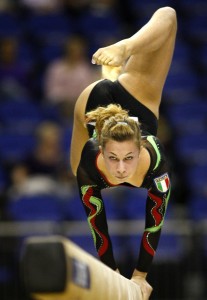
[
  {"x": 156, "y": 206},
  {"x": 90, "y": 193}
]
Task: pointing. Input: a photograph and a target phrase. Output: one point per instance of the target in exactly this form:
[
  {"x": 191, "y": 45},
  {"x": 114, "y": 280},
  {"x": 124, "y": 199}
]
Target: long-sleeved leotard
[{"x": 157, "y": 182}]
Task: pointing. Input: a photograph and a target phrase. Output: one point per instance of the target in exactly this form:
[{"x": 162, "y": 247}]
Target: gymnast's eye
[
  {"x": 128, "y": 158},
  {"x": 113, "y": 158}
]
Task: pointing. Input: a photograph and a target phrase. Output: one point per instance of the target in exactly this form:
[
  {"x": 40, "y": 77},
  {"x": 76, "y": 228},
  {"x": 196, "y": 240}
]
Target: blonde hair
[{"x": 113, "y": 123}]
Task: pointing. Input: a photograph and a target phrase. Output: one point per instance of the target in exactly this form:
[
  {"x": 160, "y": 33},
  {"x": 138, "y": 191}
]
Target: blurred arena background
[{"x": 45, "y": 52}]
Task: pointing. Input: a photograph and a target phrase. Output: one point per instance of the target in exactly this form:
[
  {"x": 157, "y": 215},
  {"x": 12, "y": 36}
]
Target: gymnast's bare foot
[
  {"x": 111, "y": 73},
  {"x": 114, "y": 55}
]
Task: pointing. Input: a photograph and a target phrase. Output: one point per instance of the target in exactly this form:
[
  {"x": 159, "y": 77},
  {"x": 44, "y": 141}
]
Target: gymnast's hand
[
  {"x": 140, "y": 279},
  {"x": 114, "y": 55}
]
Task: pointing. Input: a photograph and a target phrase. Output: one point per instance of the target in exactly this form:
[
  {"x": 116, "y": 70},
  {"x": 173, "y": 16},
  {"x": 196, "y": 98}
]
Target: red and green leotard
[{"x": 157, "y": 182}]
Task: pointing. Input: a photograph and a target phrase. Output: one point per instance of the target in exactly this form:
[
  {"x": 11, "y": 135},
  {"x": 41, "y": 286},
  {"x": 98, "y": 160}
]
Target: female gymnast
[{"x": 114, "y": 139}]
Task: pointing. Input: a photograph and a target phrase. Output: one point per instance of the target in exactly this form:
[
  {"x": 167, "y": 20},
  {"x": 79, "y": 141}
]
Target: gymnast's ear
[{"x": 100, "y": 149}]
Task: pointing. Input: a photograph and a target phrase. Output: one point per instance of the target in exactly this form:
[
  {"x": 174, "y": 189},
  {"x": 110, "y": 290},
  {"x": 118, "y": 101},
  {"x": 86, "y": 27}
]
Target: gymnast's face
[{"x": 121, "y": 159}]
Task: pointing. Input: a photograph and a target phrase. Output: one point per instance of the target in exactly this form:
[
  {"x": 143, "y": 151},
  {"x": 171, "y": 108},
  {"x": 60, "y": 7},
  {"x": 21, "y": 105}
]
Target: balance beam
[{"x": 54, "y": 268}]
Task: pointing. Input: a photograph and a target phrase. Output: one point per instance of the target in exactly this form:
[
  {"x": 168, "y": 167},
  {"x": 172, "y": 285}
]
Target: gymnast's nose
[{"x": 121, "y": 168}]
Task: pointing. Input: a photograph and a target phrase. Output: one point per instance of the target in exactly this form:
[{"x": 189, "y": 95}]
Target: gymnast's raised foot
[{"x": 114, "y": 55}]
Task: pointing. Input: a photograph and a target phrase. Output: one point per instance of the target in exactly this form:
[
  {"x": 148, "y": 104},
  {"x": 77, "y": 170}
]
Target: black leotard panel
[{"x": 106, "y": 92}]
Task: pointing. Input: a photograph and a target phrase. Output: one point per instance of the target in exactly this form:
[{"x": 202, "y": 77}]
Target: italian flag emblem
[{"x": 162, "y": 183}]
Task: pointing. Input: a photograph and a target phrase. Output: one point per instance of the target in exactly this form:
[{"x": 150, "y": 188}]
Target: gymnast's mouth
[{"x": 121, "y": 177}]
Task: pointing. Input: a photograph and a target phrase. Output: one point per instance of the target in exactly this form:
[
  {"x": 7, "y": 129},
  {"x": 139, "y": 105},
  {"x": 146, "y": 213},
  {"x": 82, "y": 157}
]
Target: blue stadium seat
[
  {"x": 195, "y": 28},
  {"x": 26, "y": 55},
  {"x": 38, "y": 214},
  {"x": 51, "y": 28},
  {"x": 10, "y": 25},
  {"x": 197, "y": 208},
  {"x": 49, "y": 53},
  {"x": 179, "y": 88},
  {"x": 100, "y": 28},
  {"x": 16, "y": 146},
  {"x": 114, "y": 203},
  {"x": 73, "y": 208},
  {"x": 191, "y": 8},
  {"x": 40, "y": 207},
  {"x": 188, "y": 118},
  {"x": 135, "y": 203},
  {"x": 85, "y": 242},
  {"x": 171, "y": 248},
  {"x": 66, "y": 140},
  {"x": 23, "y": 114},
  {"x": 197, "y": 178},
  {"x": 147, "y": 8},
  {"x": 192, "y": 148}
]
